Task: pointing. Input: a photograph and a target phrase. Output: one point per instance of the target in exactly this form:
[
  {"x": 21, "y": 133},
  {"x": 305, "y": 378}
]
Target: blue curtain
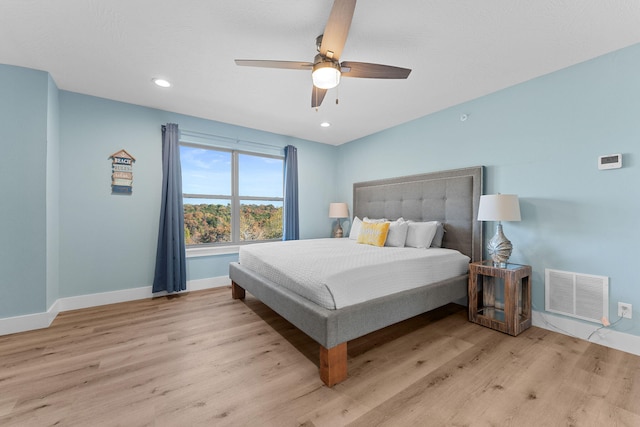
[
  {"x": 291, "y": 228},
  {"x": 171, "y": 272}
]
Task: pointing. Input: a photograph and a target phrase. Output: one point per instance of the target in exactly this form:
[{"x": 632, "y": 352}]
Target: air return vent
[{"x": 577, "y": 295}]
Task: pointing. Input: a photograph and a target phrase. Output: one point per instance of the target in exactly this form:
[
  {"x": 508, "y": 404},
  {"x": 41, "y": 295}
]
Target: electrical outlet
[{"x": 624, "y": 310}]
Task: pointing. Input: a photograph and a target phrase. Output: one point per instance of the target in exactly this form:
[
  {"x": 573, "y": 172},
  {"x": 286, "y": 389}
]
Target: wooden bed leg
[
  {"x": 333, "y": 364},
  {"x": 237, "y": 292}
]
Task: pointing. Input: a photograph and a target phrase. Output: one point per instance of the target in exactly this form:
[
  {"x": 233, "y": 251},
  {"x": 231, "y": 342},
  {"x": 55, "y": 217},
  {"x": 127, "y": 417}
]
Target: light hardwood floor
[{"x": 205, "y": 359}]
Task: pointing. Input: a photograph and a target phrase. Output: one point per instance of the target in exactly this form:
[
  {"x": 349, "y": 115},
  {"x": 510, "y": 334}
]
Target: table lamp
[
  {"x": 339, "y": 211},
  {"x": 499, "y": 207}
]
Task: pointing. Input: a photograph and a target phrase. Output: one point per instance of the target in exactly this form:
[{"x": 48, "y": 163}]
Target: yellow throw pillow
[{"x": 373, "y": 234}]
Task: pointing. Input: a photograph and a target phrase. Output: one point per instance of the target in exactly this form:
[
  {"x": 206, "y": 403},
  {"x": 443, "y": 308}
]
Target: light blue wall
[
  {"x": 53, "y": 193},
  {"x": 108, "y": 242},
  {"x": 209, "y": 266},
  {"x": 540, "y": 140},
  {"x": 23, "y": 222}
]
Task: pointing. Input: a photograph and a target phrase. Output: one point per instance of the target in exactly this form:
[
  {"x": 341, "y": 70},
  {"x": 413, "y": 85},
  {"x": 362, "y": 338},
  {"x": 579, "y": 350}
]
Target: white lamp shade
[
  {"x": 499, "y": 207},
  {"x": 338, "y": 210},
  {"x": 325, "y": 75}
]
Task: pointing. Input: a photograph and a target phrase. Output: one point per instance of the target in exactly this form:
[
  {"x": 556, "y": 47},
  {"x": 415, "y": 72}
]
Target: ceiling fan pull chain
[{"x": 337, "y": 94}]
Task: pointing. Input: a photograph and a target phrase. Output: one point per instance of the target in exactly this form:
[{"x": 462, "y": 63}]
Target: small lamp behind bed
[{"x": 339, "y": 211}]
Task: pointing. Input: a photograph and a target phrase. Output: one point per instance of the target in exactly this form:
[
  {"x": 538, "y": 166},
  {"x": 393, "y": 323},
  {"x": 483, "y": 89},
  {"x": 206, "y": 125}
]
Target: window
[{"x": 230, "y": 196}]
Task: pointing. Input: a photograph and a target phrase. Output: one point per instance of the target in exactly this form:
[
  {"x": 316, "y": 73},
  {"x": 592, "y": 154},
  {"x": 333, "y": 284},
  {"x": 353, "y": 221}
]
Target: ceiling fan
[{"x": 326, "y": 68}]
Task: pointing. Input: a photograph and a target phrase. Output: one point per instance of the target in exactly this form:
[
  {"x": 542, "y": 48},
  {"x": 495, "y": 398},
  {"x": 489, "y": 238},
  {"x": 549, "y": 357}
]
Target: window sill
[
  {"x": 212, "y": 250},
  {"x": 195, "y": 252}
]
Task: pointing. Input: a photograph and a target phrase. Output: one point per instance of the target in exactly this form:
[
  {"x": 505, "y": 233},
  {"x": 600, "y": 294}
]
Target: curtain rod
[{"x": 210, "y": 136}]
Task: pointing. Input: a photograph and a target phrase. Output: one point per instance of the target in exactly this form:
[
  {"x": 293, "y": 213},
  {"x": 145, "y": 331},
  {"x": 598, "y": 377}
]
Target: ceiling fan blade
[
  {"x": 317, "y": 95},
  {"x": 373, "y": 71},
  {"x": 290, "y": 65},
  {"x": 337, "y": 28}
]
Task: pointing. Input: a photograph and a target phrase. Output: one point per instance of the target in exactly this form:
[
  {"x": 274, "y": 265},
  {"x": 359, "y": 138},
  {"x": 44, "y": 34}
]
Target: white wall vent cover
[{"x": 577, "y": 295}]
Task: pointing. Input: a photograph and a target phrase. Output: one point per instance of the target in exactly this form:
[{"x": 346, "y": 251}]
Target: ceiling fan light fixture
[{"x": 326, "y": 75}]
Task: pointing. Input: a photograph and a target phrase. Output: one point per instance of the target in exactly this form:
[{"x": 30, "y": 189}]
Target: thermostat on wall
[{"x": 610, "y": 161}]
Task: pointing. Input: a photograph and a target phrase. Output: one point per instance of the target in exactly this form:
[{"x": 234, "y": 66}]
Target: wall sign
[{"x": 122, "y": 172}]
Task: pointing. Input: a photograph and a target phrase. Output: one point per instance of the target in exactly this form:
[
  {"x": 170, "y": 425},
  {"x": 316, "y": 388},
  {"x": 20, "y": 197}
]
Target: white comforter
[{"x": 336, "y": 273}]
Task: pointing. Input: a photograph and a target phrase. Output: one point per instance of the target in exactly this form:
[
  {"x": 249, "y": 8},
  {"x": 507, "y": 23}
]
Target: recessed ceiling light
[
  {"x": 325, "y": 124},
  {"x": 161, "y": 82}
]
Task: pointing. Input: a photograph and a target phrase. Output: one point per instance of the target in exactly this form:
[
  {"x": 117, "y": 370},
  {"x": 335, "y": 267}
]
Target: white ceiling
[{"x": 458, "y": 51}]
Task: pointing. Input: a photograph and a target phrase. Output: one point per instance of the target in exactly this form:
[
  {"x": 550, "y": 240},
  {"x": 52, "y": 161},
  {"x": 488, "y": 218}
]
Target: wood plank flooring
[{"x": 204, "y": 359}]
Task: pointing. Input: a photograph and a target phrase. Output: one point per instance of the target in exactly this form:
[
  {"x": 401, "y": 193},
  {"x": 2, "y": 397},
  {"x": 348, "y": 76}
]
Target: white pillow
[
  {"x": 397, "y": 233},
  {"x": 420, "y": 234},
  {"x": 355, "y": 228},
  {"x": 437, "y": 239},
  {"x": 375, "y": 221}
]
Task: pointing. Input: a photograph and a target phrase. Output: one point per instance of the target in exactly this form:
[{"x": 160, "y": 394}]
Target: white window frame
[{"x": 219, "y": 248}]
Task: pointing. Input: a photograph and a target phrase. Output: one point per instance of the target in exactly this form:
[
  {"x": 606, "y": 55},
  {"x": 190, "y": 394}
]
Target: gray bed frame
[{"x": 449, "y": 196}]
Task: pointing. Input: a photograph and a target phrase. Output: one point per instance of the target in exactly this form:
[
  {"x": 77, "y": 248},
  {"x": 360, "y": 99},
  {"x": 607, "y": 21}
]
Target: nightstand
[{"x": 500, "y": 298}]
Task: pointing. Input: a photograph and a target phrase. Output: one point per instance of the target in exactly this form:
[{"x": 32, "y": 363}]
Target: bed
[{"x": 451, "y": 197}]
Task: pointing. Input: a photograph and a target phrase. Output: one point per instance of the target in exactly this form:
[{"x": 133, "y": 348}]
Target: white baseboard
[
  {"x": 29, "y": 322},
  {"x": 606, "y": 336}
]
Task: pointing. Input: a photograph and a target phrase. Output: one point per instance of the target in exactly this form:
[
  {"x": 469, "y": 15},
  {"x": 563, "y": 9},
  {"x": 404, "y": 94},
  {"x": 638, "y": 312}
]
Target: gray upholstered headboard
[{"x": 449, "y": 196}]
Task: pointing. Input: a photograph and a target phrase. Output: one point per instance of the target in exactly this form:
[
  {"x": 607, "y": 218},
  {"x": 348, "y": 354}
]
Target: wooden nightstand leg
[
  {"x": 526, "y": 298},
  {"x": 473, "y": 296},
  {"x": 510, "y": 310}
]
